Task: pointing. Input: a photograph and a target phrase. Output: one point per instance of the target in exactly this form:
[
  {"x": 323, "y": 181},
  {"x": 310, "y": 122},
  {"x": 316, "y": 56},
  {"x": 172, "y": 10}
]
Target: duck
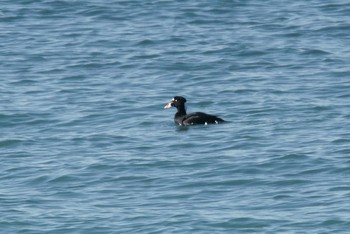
[{"x": 181, "y": 118}]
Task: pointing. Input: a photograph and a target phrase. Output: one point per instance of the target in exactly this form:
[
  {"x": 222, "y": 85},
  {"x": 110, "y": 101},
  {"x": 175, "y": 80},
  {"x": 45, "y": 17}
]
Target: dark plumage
[{"x": 181, "y": 118}]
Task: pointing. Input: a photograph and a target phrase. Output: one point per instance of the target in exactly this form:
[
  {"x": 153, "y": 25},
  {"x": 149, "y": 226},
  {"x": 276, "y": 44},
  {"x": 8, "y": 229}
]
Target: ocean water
[{"x": 86, "y": 146}]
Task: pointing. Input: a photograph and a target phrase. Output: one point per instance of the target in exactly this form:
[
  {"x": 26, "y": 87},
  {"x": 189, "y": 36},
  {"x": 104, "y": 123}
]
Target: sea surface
[{"x": 86, "y": 146}]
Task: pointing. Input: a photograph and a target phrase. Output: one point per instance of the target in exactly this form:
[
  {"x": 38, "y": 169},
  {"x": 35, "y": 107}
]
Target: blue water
[{"x": 86, "y": 146}]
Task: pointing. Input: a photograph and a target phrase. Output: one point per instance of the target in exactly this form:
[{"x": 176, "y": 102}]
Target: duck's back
[{"x": 201, "y": 118}]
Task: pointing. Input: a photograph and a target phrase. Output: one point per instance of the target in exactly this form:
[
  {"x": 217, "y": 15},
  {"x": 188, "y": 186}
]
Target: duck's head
[{"x": 177, "y": 101}]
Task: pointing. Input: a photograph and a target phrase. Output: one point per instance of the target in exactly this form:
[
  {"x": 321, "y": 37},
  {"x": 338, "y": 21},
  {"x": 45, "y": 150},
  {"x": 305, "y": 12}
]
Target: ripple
[{"x": 10, "y": 142}]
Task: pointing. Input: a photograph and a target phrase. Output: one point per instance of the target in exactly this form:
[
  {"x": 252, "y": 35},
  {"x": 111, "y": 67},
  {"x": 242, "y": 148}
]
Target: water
[{"x": 86, "y": 146}]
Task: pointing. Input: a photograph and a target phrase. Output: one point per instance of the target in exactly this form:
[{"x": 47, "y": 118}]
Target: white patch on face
[
  {"x": 216, "y": 122},
  {"x": 206, "y": 123}
]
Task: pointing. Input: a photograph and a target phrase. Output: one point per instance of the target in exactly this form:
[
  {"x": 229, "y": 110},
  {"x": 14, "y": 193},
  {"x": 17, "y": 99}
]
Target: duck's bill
[{"x": 167, "y": 106}]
